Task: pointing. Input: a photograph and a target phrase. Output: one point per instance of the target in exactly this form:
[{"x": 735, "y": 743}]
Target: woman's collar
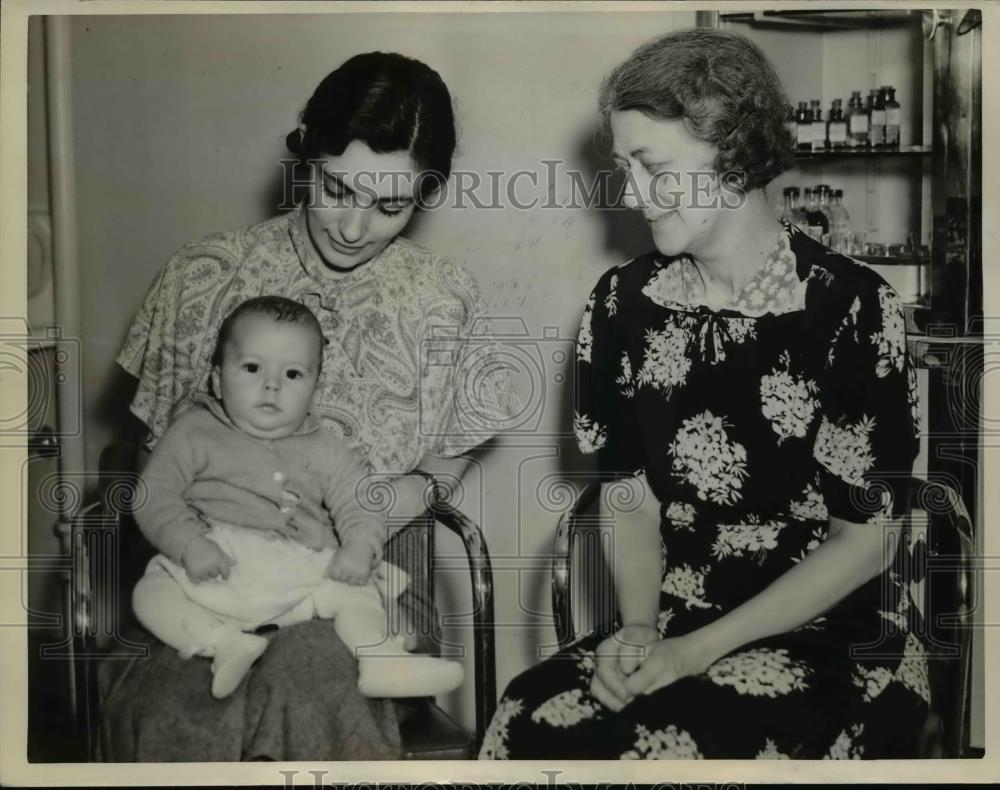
[{"x": 774, "y": 289}]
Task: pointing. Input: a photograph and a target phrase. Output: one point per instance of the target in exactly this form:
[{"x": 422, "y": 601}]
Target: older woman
[
  {"x": 377, "y": 138},
  {"x": 751, "y": 390}
]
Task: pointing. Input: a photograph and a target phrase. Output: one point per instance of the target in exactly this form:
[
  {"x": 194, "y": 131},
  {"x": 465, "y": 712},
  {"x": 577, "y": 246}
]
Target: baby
[{"x": 240, "y": 495}]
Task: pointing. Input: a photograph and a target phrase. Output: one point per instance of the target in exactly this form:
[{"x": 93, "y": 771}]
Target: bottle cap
[
  {"x": 790, "y": 191},
  {"x": 822, "y": 189},
  {"x": 838, "y": 193}
]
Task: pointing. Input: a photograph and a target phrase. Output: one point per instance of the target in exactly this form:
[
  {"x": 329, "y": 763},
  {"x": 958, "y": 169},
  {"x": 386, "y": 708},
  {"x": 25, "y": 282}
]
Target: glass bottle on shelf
[
  {"x": 818, "y": 126},
  {"x": 804, "y": 127},
  {"x": 857, "y": 122},
  {"x": 876, "y": 118},
  {"x": 822, "y": 192},
  {"x": 840, "y": 224},
  {"x": 817, "y": 223},
  {"x": 892, "y": 112},
  {"x": 836, "y": 126},
  {"x": 791, "y": 123},
  {"x": 792, "y": 211}
]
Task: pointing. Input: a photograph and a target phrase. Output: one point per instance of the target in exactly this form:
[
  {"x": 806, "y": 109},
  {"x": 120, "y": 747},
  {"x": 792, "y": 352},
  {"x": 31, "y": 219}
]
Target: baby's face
[{"x": 268, "y": 375}]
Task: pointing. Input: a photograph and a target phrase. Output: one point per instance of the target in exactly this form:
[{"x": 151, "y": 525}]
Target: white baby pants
[{"x": 273, "y": 581}]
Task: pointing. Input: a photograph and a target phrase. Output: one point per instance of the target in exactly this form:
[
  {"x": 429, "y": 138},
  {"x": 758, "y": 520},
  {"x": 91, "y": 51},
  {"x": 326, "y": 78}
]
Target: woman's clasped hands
[{"x": 636, "y": 661}]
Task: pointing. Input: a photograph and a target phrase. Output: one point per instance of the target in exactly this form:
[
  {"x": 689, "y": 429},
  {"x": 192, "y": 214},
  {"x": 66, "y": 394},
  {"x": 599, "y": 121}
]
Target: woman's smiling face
[
  {"x": 361, "y": 201},
  {"x": 672, "y": 180}
]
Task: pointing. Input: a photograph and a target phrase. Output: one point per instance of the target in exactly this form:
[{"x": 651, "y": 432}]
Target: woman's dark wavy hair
[
  {"x": 388, "y": 101},
  {"x": 722, "y": 87}
]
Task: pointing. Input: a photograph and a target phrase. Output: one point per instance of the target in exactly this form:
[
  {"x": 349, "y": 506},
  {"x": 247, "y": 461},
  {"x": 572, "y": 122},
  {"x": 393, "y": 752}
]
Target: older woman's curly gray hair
[{"x": 724, "y": 90}]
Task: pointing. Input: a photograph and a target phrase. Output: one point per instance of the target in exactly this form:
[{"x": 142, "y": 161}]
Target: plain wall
[{"x": 179, "y": 123}]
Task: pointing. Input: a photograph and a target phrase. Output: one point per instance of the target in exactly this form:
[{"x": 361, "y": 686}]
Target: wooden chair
[
  {"x": 107, "y": 543},
  {"x": 937, "y": 567}
]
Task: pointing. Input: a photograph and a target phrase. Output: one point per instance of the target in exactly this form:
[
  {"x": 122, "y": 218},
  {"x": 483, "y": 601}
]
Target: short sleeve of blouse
[
  {"x": 166, "y": 347},
  {"x": 604, "y": 421},
  {"x": 868, "y": 434},
  {"x": 466, "y": 395}
]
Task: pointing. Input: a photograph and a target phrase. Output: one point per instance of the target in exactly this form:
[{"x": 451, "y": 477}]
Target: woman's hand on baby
[
  {"x": 203, "y": 559},
  {"x": 617, "y": 657},
  {"x": 352, "y": 563}
]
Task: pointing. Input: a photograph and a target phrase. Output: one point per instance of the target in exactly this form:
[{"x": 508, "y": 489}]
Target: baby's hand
[
  {"x": 351, "y": 563},
  {"x": 203, "y": 559}
]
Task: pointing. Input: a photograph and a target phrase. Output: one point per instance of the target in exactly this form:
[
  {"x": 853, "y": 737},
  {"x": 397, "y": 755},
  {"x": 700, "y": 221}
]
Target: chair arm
[
  {"x": 80, "y": 604},
  {"x": 952, "y": 545},
  {"x": 562, "y": 553},
  {"x": 482, "y": 610}
]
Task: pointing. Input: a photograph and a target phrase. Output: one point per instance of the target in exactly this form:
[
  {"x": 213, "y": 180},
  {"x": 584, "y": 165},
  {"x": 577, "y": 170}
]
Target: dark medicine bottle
[
  {"x": 876, "y": 118},
  {"x": 836, "y": 126},
  {"x": 817, "y": 222},
  {"x": 804, "y": 127},
  {"x": 857, "y": 122},
  {"x": 891, "y": 116}
]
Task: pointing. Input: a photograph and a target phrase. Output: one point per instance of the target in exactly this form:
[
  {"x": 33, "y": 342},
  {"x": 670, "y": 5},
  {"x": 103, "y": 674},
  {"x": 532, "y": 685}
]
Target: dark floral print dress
[{"x": 753, "y": 424}]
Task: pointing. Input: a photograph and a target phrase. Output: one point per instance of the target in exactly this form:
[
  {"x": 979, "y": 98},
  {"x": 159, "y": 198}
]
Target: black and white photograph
[{"x": 392, "y": 384}]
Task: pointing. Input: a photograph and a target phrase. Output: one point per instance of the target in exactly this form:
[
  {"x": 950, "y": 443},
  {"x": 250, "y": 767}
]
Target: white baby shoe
[
  {"x": 233, "y": 659},
  {"x": 407, "y": 675}
]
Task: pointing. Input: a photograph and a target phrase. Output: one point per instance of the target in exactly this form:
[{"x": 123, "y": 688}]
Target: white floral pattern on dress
[
  {"x": 891, "y": 339},
  {"x": 760, "y": 672},
  {"x": 770, "y": 752},
  {"x": 665, "y": 363},
  {"x": 846, "y": 451},
  {"x": 788, "y": 401},
  {"x": 663, "y": 621},
  {"x": 705, "y": 458},
  {"x": 565, "y": 710},
  {"x": 681, "y": 515},
  {"x": 585, "y": 337},
  {"x": 871, "y": 681},
  {"x": 611, "y": 300},
  {"x": 723, "y": 332},
  {"x": 749, "y": 537},
  {"x": 624, "y": 380},
  {"x": 817, "y": 536},
  {"x": 812, "y": 506},
  {"x": 585, "y": 664},
  {"x": 590, "y": 435},
  {"x": 688, "y": 584},
  {"x": 495, "y": 740},
  {"x": 913, "y": 669},
  {"x": 670, "y": 743},
  {"x": 845, "y": 748},
  {"x": 849, "y": 320}
]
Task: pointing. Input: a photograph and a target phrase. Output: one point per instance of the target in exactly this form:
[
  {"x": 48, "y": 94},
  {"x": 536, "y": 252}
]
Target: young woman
[
  {"x": 750, "y": 388},
  {"x": 377, "y": 138}
]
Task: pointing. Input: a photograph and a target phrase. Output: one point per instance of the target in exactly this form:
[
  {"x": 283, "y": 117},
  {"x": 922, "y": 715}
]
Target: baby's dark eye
[
  {"x": 294, "y": 374},
  {"x": 251, "y": 367}
]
